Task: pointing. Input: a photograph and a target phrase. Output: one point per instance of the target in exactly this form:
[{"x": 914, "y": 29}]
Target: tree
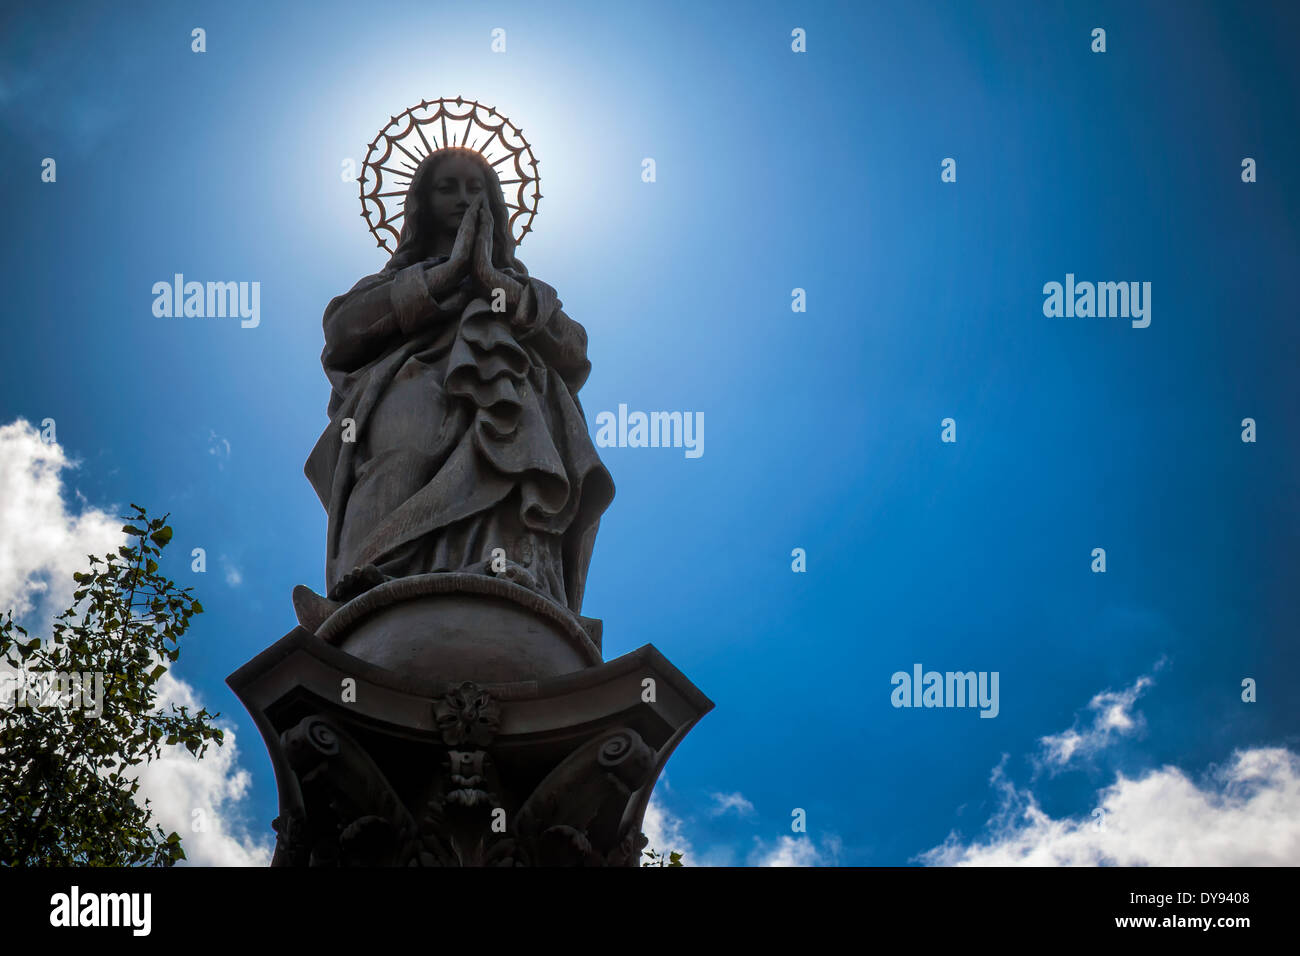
[
  {"x": 67, "y": 780},
  {"x": 673, "y": 858}
]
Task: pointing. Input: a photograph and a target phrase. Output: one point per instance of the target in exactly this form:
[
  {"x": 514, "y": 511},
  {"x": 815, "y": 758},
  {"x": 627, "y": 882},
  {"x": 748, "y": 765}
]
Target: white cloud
[
  {"x": 1246, "y": 813},
  {"x": 234, "y": 577},
  {"x": 731, "y": 801},
  {"x": 218, "y": 447},
  {"x": 665, "y": 830},
  {"x": 42, "y": 541},
  {"x": 794, "y": 851},
  {"x": 1112, "y": 717},
  {"x": 178, "y": 785}
]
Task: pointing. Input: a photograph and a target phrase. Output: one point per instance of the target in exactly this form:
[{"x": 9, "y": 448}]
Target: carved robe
[{"x": 468, "y": 435}]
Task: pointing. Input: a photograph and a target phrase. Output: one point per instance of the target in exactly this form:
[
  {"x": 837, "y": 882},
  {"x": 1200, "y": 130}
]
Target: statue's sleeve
[
  {"x": 363, "y": 323},
  {"x": 559, "y": 340}
]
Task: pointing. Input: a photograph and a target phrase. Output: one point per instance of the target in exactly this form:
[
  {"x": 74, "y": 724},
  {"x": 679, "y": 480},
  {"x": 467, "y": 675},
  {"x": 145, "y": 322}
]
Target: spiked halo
[{"x": 409, "y": 137}]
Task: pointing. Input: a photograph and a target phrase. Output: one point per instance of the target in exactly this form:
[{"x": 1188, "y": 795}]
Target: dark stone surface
[
  {"x": 446, "y": 704},
  {"x": 488, "y": 629},
  {"x": 425, "y": 772},
  {"x": 455, "y": 429}
]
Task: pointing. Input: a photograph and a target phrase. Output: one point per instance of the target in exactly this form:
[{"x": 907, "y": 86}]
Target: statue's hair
[{"x": 416, "y": 242}]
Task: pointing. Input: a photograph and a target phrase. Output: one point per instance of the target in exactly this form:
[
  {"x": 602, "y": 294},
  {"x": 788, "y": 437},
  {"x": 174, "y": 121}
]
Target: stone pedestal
[{"x": 461, "y": 720}]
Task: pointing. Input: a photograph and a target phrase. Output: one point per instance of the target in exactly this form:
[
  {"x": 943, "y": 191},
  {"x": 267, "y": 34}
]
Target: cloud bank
[
  {"x": 42, "y": 542},
  {"x": 1245, "y": 812}
]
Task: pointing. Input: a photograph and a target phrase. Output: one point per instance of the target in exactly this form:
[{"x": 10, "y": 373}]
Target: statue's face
[{"x": 456, "y": 182}]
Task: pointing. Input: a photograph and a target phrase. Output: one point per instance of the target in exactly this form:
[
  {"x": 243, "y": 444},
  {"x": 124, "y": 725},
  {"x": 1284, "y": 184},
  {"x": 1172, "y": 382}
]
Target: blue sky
[{"x": 775, "y": 170}]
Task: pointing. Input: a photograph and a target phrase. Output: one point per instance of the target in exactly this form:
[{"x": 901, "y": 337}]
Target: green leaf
[{"x": 125, "y": 622}]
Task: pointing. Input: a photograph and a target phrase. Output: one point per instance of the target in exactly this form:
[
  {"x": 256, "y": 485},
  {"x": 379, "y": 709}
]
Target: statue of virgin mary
[{"x": 456, "y": 440}]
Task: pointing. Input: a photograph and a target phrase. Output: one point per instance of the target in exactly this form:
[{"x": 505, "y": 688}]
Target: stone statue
[
  {"x": 455, "y": 426},
  {"x": 447, "y": 704}
]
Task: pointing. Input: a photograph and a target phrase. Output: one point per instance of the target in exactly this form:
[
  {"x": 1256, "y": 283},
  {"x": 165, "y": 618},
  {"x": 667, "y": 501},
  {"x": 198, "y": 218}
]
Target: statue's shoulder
[
  {"x": 370, "y": 281},
  {"x": 362, "y": 286},
  {"x": 388, "y": 275}
]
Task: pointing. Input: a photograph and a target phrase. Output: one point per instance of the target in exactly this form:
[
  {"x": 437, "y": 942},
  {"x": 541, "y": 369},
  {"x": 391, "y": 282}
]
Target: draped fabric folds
[{"x": 456, "y": 430}]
